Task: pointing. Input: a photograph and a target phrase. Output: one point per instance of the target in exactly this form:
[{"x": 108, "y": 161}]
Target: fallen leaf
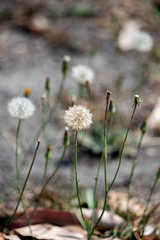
[
  {"x": 10, "y": 237},
  {"x": 118, "y": 201},
  {"x": 109, "y": 220},
  {"x": 46, "y": 216},
  {"x": 48, "y": 231}
]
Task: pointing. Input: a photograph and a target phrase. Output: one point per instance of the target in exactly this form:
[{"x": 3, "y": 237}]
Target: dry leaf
[
  {"x": 10, "y": 237},
  {"x": 109, "y": 220},
  {"x": 118, "y": 201},
  {"x": 50, "y": 232}
]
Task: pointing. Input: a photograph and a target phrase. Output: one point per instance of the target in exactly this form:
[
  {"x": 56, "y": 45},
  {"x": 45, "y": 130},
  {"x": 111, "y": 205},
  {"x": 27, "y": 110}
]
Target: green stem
[
  {"x": 18, "y": 174},
  {"x": 95, "y": 190},
  {"x": 76, "y": 179},
  {"x": 130, "y": 182},
  {"x": 122, "y": 150},
  {"x": 105, "y": 165},
  {"x": 46, "y": 183},
  {"x": 147, "y": 204},
  {"x": 51, "y": 113},
  {"x": 59, "y": 94},
  {"x": 106, "y": 194},
  {"x": 45, "y": 172},
  {"x": 11, "y": 220}
]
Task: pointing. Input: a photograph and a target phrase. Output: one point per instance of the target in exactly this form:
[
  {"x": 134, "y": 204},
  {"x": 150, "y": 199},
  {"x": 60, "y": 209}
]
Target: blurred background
[{"x": 120, "y": 41}]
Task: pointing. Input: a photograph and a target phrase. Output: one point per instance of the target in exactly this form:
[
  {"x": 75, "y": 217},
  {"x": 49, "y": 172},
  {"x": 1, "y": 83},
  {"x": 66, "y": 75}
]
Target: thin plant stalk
[
  {"x": 122, "y": 149},
  {"x": 18, "y": 174},
  {"x": 105, "y": 166},
  {"x": 46, "y": 183},
  {"x": 76, "y": 179},
  {"x": 95, "y": 190},
  {"x": 59, "y": 94},
  {"x": 51, "y": 113},
  {"x": 11, "y": 220},
  {"x": 45, "y": 172},
  {"x": 130, "y": 182},
  {"x": 148, "y": 201},
  {"x": 121, "y": 155},
  {"x": 110, "y": 124}
]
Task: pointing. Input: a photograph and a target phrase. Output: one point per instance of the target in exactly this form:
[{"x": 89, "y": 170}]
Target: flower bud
[
  {"x": 47, "y": 84},
  {"x": 112, "y": 107},
  {"x": 144, "y": 127},
  {"x": 48, "y": 154},
  {"x": 27, "y": 92},
  {"x": 136, "y": 100},
  {"x": 66, "y": 141},
  {"x": 158, "y": 172},
  {"x": 65, "y": 64}
]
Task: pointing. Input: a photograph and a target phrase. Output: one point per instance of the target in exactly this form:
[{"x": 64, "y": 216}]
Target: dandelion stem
[
  {"x": 95, "y": 190},
  {"x": 130, "y": 182},
  {"x": 105, "y": 165},
  {"x": 122, "y": 150},
  {"x": 11, "y": 220},
  {"x": 147, "y": 204},
  {"x": 59, "y": 94},
  {"x": 46, "y": 183},
  {"x": 76, "y": 178}
]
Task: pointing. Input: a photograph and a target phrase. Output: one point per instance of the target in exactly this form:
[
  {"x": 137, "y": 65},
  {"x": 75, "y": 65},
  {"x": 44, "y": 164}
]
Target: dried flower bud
[
  {"x": 158, "y": 172},
  {"x": 27, "y": 92},
  {"x": 65, "y": 64},
  {"x": 66, "y": 141},
  {"x": 136, "y": 100},
  {"x": 108, "y": 96},
  {"x": 73, "y": 100},
  {"x": 48, "y": 154},
  {"x": 47, "y": 84},
  {"x": 144, "y": 127},
  {"x": 38, "y": 140},
  {"x": 112, "y": 107},
  {"x": 43, "y": 100}
]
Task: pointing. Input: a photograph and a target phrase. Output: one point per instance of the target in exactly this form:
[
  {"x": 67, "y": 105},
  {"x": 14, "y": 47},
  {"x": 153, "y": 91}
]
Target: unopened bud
[
  {"x": 73, "y": 100},
  {"x": 47, "y": 84},
  {"x": 144, "y": 127},
  {"x": 112, "y": 107},
  {"x": 66, "y": 141},
  {"x": 38, "y": 140},
  {"x": 48, "y": 154},
  {"x": 27, "y": 92},
  {"x": 158, "y": 172},
  {"x": 136, "y": 100},
  {"x": 65, "y": 64},
  {"x": 108, "y": 96}
]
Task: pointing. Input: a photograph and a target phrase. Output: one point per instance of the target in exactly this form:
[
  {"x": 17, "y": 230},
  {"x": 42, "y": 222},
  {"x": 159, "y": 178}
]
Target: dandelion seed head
[
  {"x": 78, "y": 117},
  {"x": 67, "y": 58},
  {"x": 21, "y": 108},
  {"x": 82, "y": 74}
]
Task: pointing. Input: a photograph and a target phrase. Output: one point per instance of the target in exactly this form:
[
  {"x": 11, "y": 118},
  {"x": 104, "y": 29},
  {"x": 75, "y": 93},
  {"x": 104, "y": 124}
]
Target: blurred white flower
[
  {"x": 132, "y": 38},
  {"x": 21, "y": 107},
  {"x": 82, "y": 74},
  {"x": 78, "y": 117}
]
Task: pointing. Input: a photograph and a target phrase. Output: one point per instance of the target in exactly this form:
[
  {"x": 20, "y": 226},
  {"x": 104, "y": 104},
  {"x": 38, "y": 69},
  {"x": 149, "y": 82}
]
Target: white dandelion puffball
[
  {"x": 82, "y": 74},
  {"x": 78, "y": 117},
  {"x": 132, "y": 37},
  {"x": 21, "y": 108}
]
